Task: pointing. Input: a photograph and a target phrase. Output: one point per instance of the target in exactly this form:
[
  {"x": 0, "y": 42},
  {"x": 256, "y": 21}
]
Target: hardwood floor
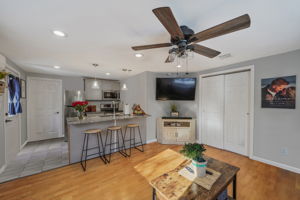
[{"x": 119, "y": 181}]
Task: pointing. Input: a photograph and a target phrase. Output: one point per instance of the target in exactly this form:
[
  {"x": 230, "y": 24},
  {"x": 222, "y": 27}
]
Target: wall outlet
[{"x": 284, "y": 151}]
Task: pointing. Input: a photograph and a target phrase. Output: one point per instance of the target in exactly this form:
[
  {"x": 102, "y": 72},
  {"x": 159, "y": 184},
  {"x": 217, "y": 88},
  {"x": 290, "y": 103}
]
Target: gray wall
[
  {"x": 274, "y": 129},
  {"x": 2, "y": 114},
  {"x": 141, "y": 90}
]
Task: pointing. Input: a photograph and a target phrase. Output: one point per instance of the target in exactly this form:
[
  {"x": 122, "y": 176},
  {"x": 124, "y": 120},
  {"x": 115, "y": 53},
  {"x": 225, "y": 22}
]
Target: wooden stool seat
[
  {"x": 132, "y": 125},
  {"x": 114, "y": 128},
  {"x": 92, "y": 131}
]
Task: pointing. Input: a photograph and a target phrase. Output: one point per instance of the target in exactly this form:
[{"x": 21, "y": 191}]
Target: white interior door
[
  {"x": 12, "y": 129},
  {"x": 44, "y": 108},
  {"x": 236, "y": 115},
  {"x": 212, "y": 110}
]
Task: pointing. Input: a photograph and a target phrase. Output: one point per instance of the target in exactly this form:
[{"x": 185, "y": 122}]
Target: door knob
[{"x": 8, "y": 120}]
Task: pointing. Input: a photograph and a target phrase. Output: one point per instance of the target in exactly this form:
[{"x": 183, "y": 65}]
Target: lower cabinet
[{"x": 176, "y": 131}]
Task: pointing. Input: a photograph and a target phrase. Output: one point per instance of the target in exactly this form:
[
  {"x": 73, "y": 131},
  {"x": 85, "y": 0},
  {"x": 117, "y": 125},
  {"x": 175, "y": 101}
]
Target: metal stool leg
[
  {"x": 83, "y": 152},
  {"x": 130, "y": 141},
  {"x": 99, "y": 149},
  {"x": 103, "y": 148},
  {"x": 123, "y": 141},
  {"x": 110, "y": 149},
  {"x": 86, "y": 150},
  {"x": 120, "y": 148},
  {"x": 140, "y": 140}
]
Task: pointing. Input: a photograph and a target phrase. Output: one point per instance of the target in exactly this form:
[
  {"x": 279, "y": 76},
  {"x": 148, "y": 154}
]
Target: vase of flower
[{"x": 80, "y": 107}]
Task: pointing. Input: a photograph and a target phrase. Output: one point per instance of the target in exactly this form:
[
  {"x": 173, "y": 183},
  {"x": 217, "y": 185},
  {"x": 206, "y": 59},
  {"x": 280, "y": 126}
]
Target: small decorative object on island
[
  {"x": 80, "y": 106},
  {"x": 137, "y": 110},
  {"x": 174, "y": 110},
  {"x": 195, "y": 151}
]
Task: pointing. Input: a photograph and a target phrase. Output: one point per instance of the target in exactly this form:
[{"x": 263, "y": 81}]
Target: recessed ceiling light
[
  {"x": 139, "y": 55},
  {"x": 178, "y": 66},
  {"x": 59, "y": 33},
  {"x": 107, "y": 73},
  {"x": 56, "y": 67}
]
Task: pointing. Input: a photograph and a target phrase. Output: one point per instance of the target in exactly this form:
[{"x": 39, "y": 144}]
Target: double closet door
[{"x": 225, "y": 111}]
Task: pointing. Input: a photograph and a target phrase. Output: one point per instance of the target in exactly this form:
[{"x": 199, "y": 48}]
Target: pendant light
[
  {"x": 95, "y": 83},
  {"x": 124, "y": 87}
]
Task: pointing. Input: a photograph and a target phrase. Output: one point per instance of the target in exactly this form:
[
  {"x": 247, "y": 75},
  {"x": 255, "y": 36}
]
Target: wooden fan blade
[
  {"x": 151, "y": 46},
  {"x": 205, "y": 51},
  {"x": 166, "y": 17},
  {"x": 170, "y": 59},
  {"x": 230, "y": 26}
]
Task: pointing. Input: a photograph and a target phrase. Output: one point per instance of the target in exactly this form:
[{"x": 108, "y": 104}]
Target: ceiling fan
[{"x": 185, "y": 39}]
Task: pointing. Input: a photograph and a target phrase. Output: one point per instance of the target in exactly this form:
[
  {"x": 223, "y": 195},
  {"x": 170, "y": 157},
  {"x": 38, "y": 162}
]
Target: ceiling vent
[{"x": 225, "y": 56}]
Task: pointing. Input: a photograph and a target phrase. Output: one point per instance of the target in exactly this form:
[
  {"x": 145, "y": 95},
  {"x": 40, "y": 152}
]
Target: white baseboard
[
  {"x": 276, "y": 164},
  {"x": 151, "y": 140},
  {"x": 23, "y": 145},
  {"x": 2, "y": 168}
]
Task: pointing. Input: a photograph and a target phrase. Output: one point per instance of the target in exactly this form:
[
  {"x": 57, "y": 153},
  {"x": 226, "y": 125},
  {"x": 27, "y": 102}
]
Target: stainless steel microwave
[{"x": 110, "y": 95}]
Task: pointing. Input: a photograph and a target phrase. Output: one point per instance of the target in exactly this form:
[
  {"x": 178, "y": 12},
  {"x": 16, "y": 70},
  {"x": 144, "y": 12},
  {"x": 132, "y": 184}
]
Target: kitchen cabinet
[
  {"x": 104, "y": 85},
  {"x": 90, "y": 92},
  {"x": 110, "y": 85}
]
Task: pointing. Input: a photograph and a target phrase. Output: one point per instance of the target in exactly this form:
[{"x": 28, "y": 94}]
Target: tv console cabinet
[{"x": 176, "y": 131}]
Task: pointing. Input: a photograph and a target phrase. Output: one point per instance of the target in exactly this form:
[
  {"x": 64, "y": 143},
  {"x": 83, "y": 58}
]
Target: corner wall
[{"x": 141, "y": 90}]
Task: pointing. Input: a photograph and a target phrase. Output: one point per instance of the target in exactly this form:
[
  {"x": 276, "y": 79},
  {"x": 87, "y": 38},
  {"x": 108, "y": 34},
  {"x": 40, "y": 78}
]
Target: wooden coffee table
[{"x": 168, "y": 160}]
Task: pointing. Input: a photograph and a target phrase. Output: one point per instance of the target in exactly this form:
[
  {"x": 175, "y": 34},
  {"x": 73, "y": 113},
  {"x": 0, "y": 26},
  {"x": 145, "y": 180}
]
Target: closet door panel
[
  {"x": 212, "y": 110},
  {"x": 236, "y": 119}
]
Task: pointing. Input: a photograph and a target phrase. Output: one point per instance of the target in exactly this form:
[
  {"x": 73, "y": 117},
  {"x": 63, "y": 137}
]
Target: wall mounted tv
[{"x": 175, "y": 89}]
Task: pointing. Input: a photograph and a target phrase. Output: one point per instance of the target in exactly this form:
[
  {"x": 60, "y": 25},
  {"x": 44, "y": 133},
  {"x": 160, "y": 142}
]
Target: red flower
[{"x": 80, "y": 103}]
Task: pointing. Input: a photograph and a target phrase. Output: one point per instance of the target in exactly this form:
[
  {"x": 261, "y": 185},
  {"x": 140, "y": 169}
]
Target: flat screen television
[{"x": 175, "y": 89}]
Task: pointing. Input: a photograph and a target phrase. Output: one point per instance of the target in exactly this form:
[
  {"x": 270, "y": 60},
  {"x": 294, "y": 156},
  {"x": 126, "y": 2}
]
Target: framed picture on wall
[
  {"x": 23, "y": 89},
  {"x": 278, "y": 92}
]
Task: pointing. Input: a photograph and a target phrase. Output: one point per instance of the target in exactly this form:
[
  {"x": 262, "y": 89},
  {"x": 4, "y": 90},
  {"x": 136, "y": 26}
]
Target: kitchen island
[{"x": 76, "y": 128}]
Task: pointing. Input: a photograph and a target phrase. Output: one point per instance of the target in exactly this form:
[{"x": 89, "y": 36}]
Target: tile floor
[{"x": 37, "y": 157}]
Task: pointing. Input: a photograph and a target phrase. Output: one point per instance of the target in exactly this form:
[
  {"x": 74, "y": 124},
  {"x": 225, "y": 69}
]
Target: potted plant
[
  {"x": 174, "y": 110},
  {"x": 80, "y": 107},
  {"x": 195, "y": 151}
]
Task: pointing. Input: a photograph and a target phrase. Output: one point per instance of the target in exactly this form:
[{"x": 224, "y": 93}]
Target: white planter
[{"x": 199, "y": 168}]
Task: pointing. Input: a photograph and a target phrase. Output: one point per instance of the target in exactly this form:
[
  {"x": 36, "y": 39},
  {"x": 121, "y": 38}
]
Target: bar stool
[
  {"x": 132, "y": 138},
  {"x": 120, "y": 148},
  {"x": 85, "y": 146}
]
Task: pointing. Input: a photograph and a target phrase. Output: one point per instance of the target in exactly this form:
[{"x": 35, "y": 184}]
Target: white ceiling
[{"x": 103, "y": 32}]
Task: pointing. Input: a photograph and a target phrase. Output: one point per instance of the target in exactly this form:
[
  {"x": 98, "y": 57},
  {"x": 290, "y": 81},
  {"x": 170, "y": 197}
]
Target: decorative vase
[
  {"x": 80, "y": 115},
  {"x": 199, "y": 168}
]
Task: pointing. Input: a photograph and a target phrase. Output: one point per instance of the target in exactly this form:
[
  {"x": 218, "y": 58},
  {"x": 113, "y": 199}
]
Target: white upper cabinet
[
  {"x": 110, "y": 85},
  {"x": 96, "y": 94},
  {"x": 90, "y": 92}
]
